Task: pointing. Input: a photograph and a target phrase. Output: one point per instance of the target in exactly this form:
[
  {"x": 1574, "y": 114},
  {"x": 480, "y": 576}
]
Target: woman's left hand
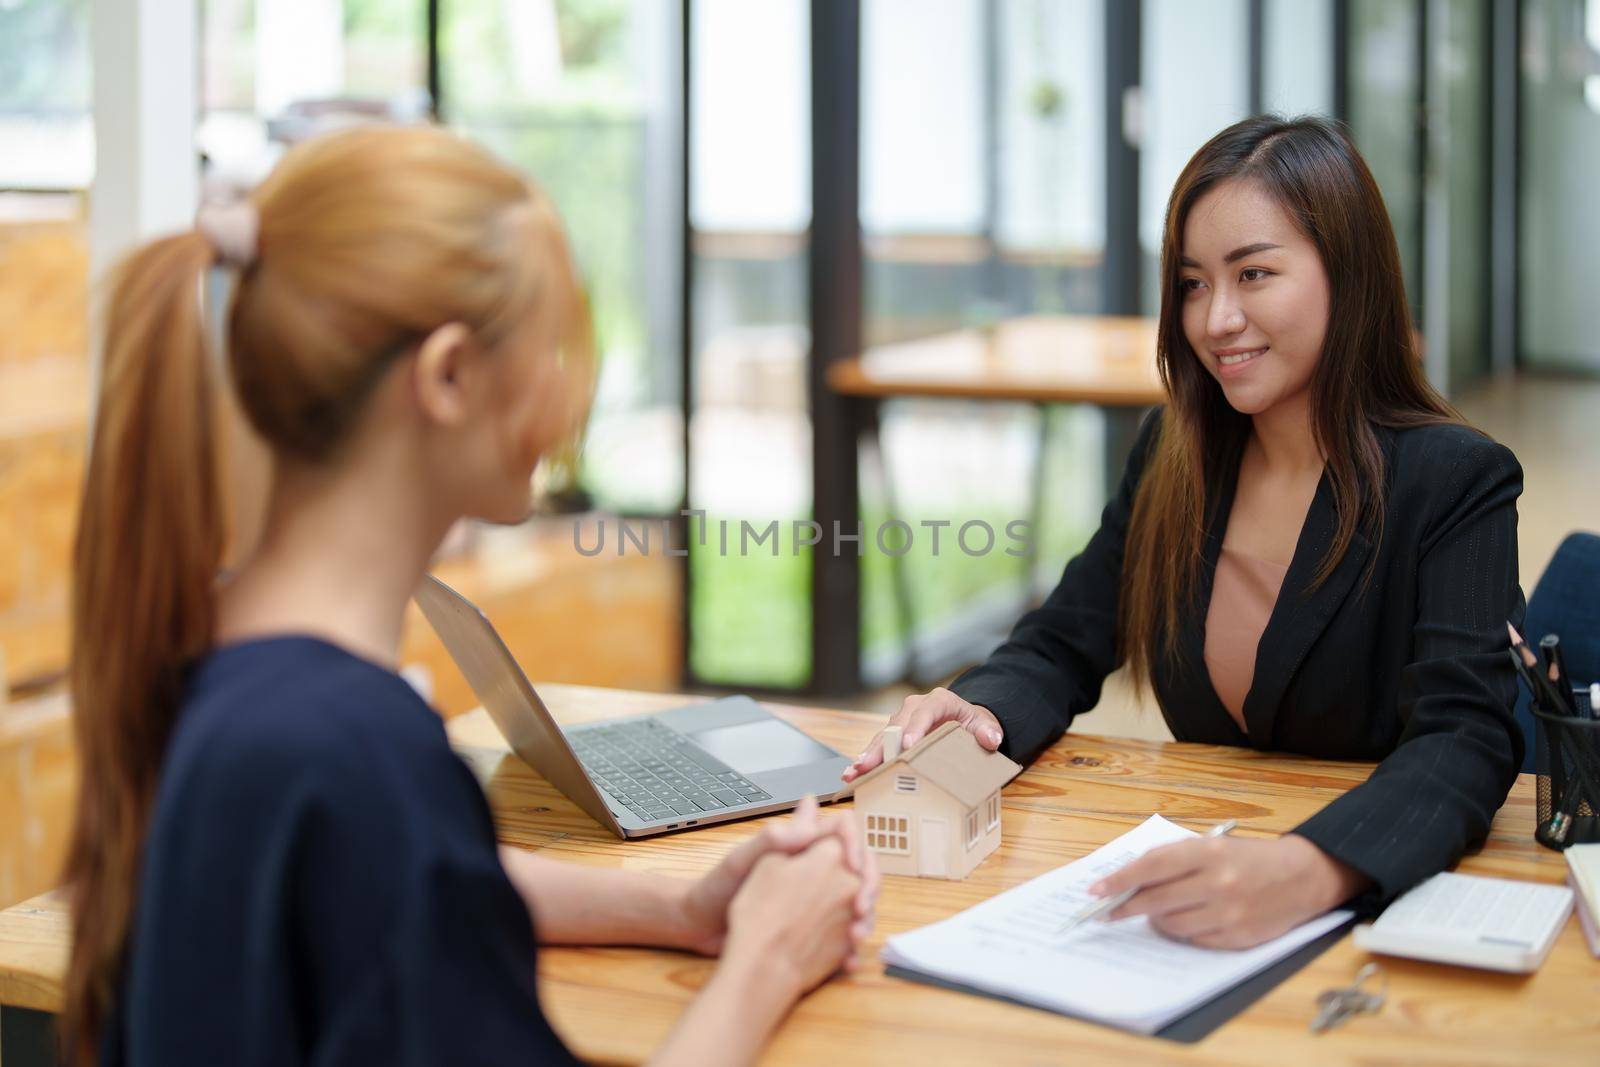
[
  {"x": 1232, "y": 892},
  {"x": 704, "y": 907}
]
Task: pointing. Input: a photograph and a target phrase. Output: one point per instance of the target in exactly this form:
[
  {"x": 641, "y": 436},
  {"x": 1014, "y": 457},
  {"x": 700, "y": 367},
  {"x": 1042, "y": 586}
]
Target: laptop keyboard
[{"x": 656, "y": 773}]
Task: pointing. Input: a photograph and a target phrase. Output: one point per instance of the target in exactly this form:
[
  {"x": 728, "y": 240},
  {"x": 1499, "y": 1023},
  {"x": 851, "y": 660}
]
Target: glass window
[
  {"x": 1195, "y": 64},
  {"x": 585, "y": 96},
  {"x": 982, "y": 178},
  {"x": 44, "y": 95},
  {"x": 267, "y": 68},
  {"x": 750, "y": 431},
  {"x": 972, "y": 827},
  {"x": 923, "y": 125},
  {"x": 751, "y": 97},
  {"x": 1384, "y": 95},
  {"x": 1297, "y": 78},
  {"x": 1051, "y": 197},
  {"x": 1560, "y": 217},
  {"x": 981, "y": 171},
  {"x": 1456, "y": 263}
]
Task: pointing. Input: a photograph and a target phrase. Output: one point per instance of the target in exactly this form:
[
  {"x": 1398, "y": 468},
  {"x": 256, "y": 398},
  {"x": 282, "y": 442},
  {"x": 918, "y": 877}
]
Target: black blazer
[{"x": 1410, "y": 670}]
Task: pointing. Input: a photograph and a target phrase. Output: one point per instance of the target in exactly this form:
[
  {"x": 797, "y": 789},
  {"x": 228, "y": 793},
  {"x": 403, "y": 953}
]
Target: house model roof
[{"x": 952, "y": 758}]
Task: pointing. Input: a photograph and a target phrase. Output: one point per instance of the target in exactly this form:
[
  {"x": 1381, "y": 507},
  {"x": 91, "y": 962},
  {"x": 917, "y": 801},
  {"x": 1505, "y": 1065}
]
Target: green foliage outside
[
  {"x": 753, "y": 612},
  {"x": 580, "y": 136}
]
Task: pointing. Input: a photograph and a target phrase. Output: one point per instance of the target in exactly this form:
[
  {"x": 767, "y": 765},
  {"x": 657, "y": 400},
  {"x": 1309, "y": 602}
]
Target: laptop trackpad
[{"x": 753, "y": 747}]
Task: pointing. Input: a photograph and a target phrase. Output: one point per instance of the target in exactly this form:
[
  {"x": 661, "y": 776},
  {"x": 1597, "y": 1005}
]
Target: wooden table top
[
  {"x": 616, "y": 1005},
  {"x": 1059, "y": 359}
]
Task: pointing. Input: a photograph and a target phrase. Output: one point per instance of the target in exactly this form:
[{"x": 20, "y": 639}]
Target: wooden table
[
  {"x": 616, "y": 1005},
  {"x": 1108, "y": 361}
]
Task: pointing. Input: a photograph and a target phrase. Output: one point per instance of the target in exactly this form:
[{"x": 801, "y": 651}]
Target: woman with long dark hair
[
  {"x": 1309, "y": 552},
  {"x": 277, "y": 858}
]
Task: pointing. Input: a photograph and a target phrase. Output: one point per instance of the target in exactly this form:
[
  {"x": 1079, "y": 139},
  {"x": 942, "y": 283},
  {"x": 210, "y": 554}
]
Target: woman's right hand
[
  {"x": 792, "y": 923},
  {"x": 791, "y": 920},
  {"x": 919, "y": 715}
]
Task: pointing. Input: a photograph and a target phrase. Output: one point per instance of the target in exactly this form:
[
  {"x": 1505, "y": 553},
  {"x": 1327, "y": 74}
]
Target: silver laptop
[{"x": 640, "y": 774}]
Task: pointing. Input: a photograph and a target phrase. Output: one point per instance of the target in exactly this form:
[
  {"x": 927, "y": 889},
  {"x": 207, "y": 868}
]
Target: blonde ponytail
[{"x": 150, "y": 536}]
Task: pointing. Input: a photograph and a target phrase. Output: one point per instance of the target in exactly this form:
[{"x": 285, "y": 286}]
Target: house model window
[
  {"x": 889, "y": 833},
  {"x": 933, "y": 810}
]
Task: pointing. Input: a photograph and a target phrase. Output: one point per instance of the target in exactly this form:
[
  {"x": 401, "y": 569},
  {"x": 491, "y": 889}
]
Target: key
[
  {"x": 1333, "y": 1009},
  {"x": 1336, "y": 1006}
]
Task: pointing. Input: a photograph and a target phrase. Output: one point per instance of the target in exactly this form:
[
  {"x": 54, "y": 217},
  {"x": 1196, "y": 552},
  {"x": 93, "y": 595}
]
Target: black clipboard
[{"x": 1198, "y": 1023}]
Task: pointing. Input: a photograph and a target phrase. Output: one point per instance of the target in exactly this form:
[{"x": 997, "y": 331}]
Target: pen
[
  {"x": 1543, "y": 692},
  {"x": 1556, "y": 670},
  {"x": 1105, "y": 904},
  {"x": 1530, "y": 678}
]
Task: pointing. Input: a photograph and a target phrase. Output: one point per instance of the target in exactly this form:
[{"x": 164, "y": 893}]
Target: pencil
[{"x": 1105, "y": 904}]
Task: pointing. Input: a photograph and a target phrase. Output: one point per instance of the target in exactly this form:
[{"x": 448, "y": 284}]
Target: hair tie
[{"x": 231, "y": 228}]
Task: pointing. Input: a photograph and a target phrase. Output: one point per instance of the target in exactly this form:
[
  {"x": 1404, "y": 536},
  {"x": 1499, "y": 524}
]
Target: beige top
[{"x": 1242, "y": 597}]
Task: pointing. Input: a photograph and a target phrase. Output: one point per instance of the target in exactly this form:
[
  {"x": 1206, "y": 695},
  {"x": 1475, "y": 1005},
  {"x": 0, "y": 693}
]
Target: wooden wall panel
[{"x": 38, "y": 778}]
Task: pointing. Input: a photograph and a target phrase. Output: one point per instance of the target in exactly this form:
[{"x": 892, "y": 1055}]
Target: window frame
[{"x": 888, "y": 833}]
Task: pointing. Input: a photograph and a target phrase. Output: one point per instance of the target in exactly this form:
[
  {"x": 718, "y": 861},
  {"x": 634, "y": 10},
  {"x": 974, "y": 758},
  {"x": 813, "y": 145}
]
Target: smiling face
[{"x": 1255, "y": 296}]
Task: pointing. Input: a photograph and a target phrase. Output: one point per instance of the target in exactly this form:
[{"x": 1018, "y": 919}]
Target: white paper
[{"x": 1122, "y": 973}]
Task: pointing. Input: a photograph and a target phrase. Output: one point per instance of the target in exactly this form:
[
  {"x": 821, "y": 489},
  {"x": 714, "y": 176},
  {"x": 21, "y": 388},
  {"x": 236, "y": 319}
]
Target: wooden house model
[{"x": 933, "y": 810}]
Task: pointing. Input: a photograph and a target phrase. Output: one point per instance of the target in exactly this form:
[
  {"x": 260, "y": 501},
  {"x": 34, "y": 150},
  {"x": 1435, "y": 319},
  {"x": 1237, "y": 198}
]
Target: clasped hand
[{"x": 812, "y": 873}]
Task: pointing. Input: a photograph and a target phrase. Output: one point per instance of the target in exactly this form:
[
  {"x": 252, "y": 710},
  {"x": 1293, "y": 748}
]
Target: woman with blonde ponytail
[{"x": 277, "y": 859}]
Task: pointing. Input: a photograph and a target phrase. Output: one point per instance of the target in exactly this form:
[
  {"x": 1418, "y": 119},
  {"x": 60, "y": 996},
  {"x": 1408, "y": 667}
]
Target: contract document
[{"x": 1122, "y": 973}]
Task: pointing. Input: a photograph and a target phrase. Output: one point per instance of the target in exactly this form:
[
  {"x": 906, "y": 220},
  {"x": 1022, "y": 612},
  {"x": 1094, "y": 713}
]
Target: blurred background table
[{"x": 1106, "y": 361}]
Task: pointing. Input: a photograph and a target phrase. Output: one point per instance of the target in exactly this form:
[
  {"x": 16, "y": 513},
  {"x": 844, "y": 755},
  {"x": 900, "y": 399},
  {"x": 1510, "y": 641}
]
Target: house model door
[{"x": 933, "y": 848}]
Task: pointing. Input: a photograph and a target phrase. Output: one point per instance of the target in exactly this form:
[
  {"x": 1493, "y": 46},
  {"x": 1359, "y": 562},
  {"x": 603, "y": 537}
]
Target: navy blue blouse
[{"x": 320, "y": 883}]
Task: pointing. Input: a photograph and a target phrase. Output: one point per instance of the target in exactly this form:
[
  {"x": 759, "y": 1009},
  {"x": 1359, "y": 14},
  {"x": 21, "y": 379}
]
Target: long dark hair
[{"x": 1369, "y": 374}]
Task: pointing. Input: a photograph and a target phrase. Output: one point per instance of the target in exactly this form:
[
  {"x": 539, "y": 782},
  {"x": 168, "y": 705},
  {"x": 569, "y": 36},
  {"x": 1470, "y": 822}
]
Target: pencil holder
[{"x": 1568, "y": 766}]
